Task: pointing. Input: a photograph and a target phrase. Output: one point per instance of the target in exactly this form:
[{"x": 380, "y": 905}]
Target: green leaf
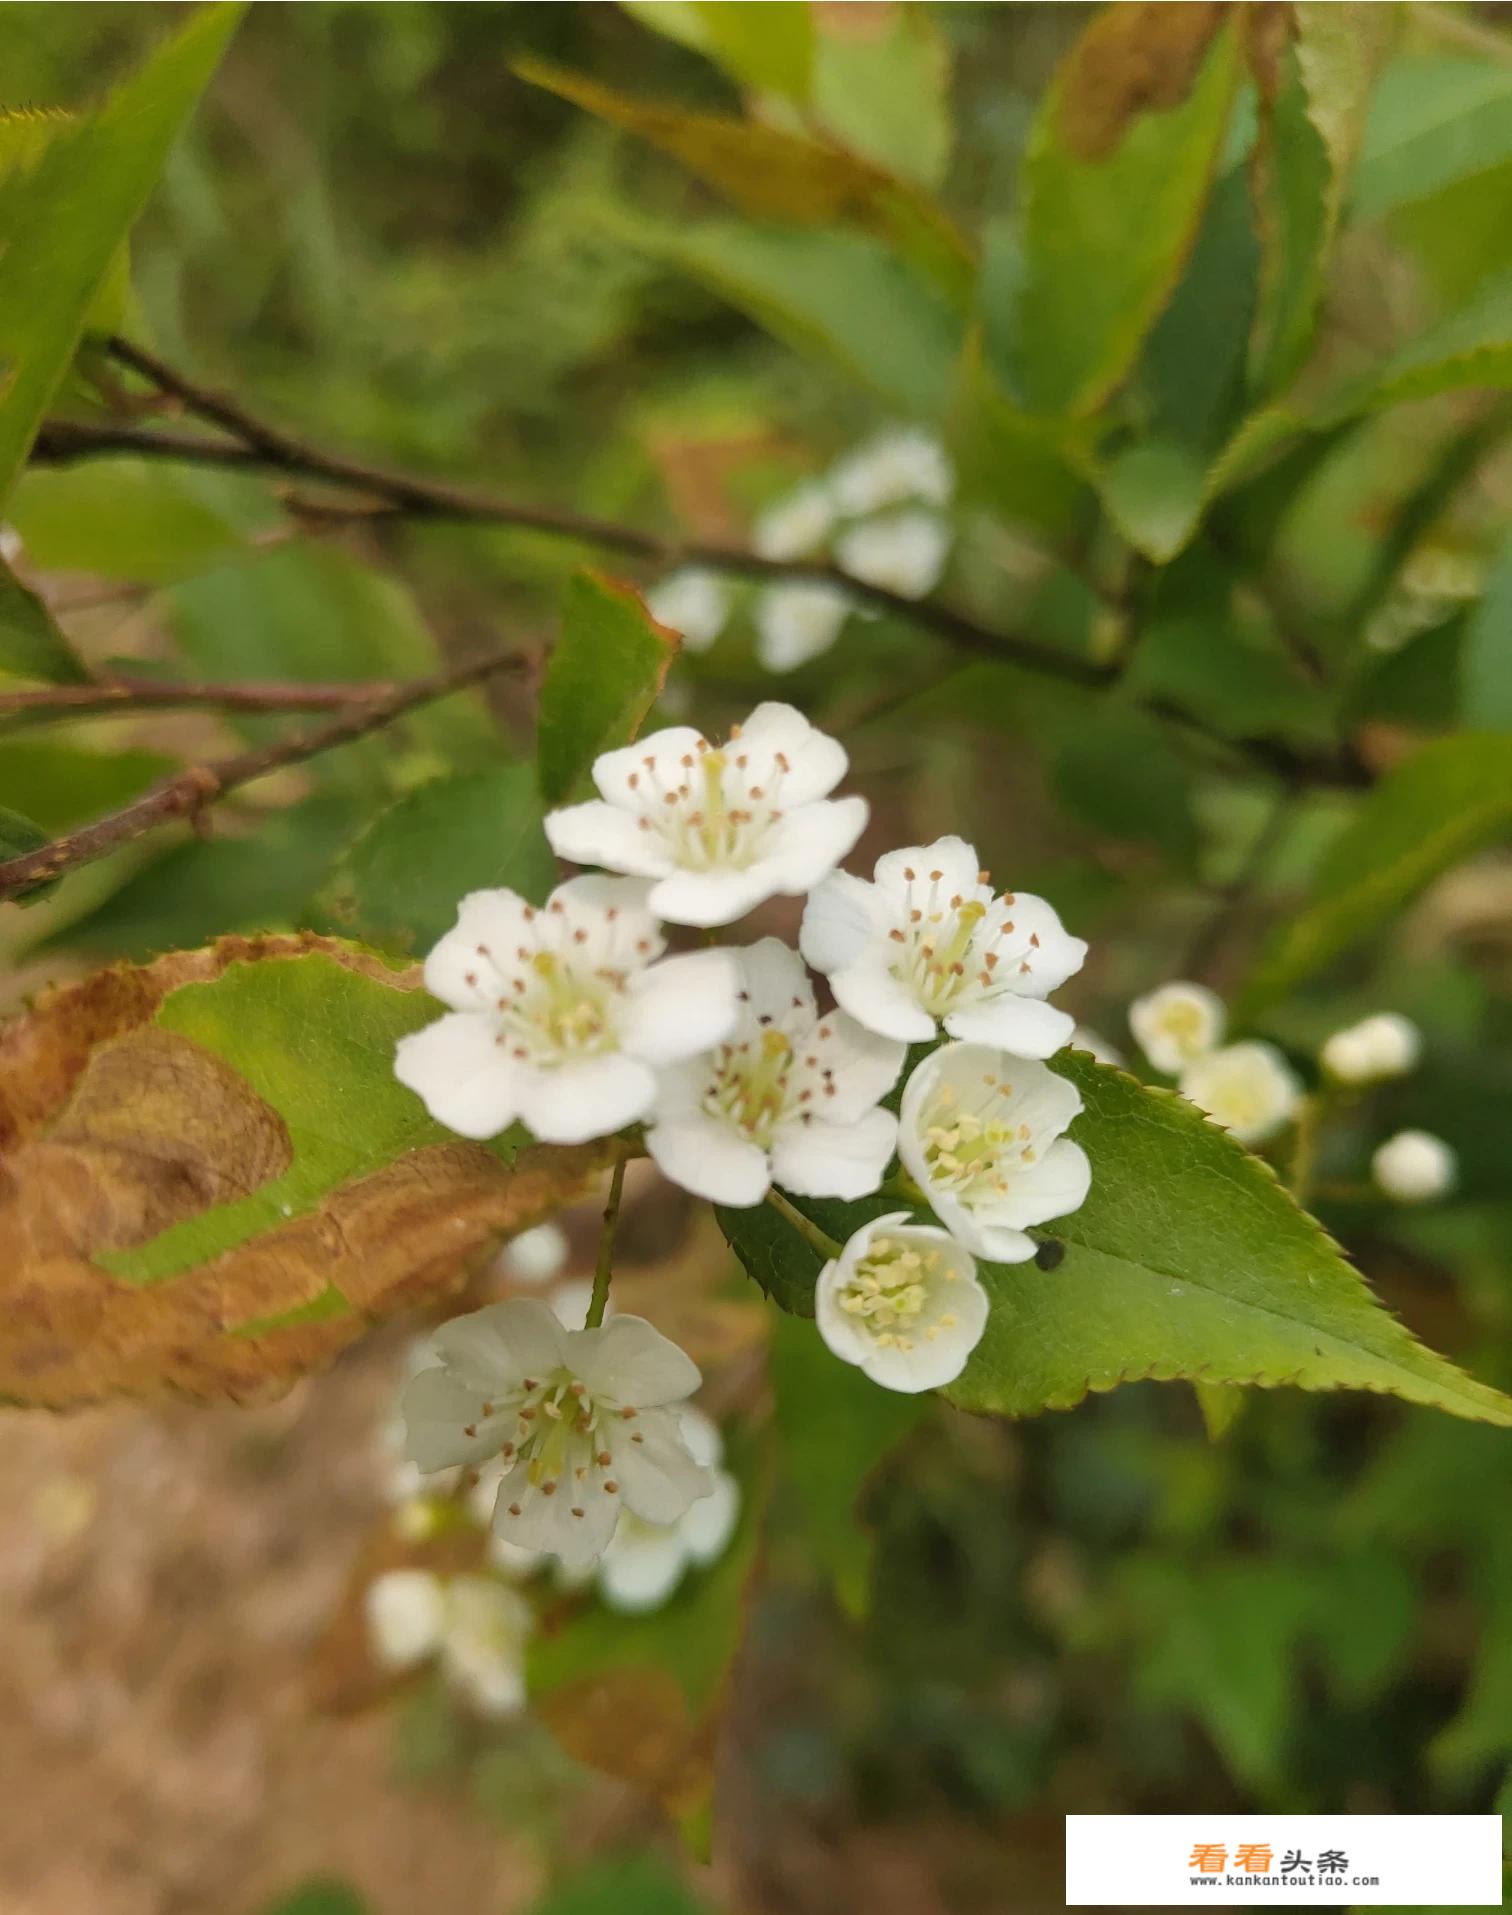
[
  {"x": 1119, "y": 774},
  {"x": 31, "y": 646},
  {"x": 205, "y": 887},
  {"x": 315, "y": 1040},
  {"x": 123, "y": 519},
  {"x": 323, "y": 1895},
  {"x": 834, "y": 1429},
  {"x": 1433, "y": 121},
  {"x": 65, "y": 785},
  {"x": 67, "y": 224},
  {"x": 622, "y": 1885},
  {"x": 403, "y": 878},
  {"x": 838, "y": 294},
  {"x": 883, "y": 89},
  {"x": 18, "y": 835},
  {"x": 1017, "y": 464},
  {"x": 772, "y": 174},
  {"x": 1445, "y": 802},
  {"x": 1486, "y": 661},
  {"x": 1154, "y": 494},
  {"x": 772, "y": 50},
  {"x": 1187, "y": 1260},
  {"x": 1304, "y": 161},
  {"x": 1113, "y": 196},
  {"x": 1471, "y": 347},
  {"x": 604, "y": 674}
]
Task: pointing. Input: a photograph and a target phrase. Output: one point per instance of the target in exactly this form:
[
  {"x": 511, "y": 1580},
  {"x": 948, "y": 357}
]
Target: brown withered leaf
[
  {"x": 112, "y": 1130},
  {"x": 1140, "y": 57},
  {"x": 635, "y": 1724}
]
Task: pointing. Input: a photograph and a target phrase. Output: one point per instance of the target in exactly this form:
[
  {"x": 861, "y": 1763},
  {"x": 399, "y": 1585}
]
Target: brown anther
[
  {"x": 515, "y": 1510},
  {"x": 604, "y": 1459},
  {"x": 756, "y": 792},
  {"x": 990, "y": 960},
  {"x": 686, "y": 761},
  {"x": 781, "y": 760},
  {"x": 955, "y": 902},
  {"x": 482, "y": 950},
  {"x": 935, "y": 876},
  {"x": 633, "y": 780},
  {"x": 897, "y": 937},
  {"x": 469, "y": 1429},
  {"x": 580, "y": 936},
  {"x": 1022, "y": 969},
  {"x": 469, "y": 977},
  {"x": 611, "y": 1488},
  {"x": 1034, "y": 939},
  {"x": 908, "y": 873},
  {"x": 548, "y": 1488},
  {"x": 579, "y": 1512}
]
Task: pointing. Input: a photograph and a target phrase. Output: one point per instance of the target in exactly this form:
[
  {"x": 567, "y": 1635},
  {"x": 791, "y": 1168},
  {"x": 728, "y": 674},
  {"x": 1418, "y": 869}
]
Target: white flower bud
[
  {"x": 902, "y": 552},
  {"x": 1414, "y": 1167},
  {"x": 406, "y": 1615},
  {"x": 694, "y": 602},
  {"x": 797, "y": 525},
  {"x": 1386, "y": 1045},
  {"x": 1177, "y": 1023},
  {"x": 535, "y": 1256},
  {"x": 1249, "y": 1089}
]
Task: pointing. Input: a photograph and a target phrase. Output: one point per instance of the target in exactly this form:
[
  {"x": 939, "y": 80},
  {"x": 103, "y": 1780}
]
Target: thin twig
[
  {"x": 186, "y": 793},
  {"x": 810, "y": 1232},
  {"x": 117, "y": 694},
  {"x": 604, "y": 1269}
]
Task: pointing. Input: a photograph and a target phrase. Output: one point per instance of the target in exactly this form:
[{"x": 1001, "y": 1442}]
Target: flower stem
[
  {"x": 605, "y": 1266},
  {"x": 1305, "y": 1146},
  {"x": 808, "y": 1230}
]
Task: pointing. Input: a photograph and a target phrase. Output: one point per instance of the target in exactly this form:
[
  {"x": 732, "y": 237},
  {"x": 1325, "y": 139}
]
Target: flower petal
[
  {"x": 570, "y": 1103},
  {"x": 865, "y": 1065},
  {"x": 657, "y": 1477},
  {"x": 709, "y": 1158},
  {"x": 841, "y": 918},
  {"x": 629, "y": 1362},
  {"x": 883, "y": 1003},
  {"x": 815, "y": 762},
  {"x": 439, "y": 1409},
  {"x": 834, "y": 1160},
  {"x": 710, "y": 1522},
  {"x": 807, "y": 843},
  {"x": 707, "y": 898},
  {"x": 1026, "y": 1026},
  {"x": 1054, "y": 1187},
  {"x": 465, "y": 1080},
  {"x": 775, "y": 984},
  {"x": 486, "y": 921},
  {"x": 525, "y": 1516},
  {"x": 620, "y": 774},
  {"x": 641, "y": 1571},
  {"x": 603, "y": 834},
  {"x": 955, "y": 860},
  {"x": 681, "y": 1006},
  {"x": 495, "y": 1349}
]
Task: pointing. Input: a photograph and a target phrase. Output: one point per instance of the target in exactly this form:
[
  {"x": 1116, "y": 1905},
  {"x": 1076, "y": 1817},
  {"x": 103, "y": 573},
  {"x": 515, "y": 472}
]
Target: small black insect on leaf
[{"x": 1050, "y": 1254}]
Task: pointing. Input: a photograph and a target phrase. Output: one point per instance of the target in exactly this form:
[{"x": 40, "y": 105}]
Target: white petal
[
  {"x": 1054, "y": 958},
  {"x": 807, "y": 844},
  {"x": 536, "y": 1255},
  {"x": 493, "y": 920},
  {"x": 797, "y": 623},
  {"x": 406, "y": 1612},
  {"x": 815, "y": 762},
  {"x": 701, "y": 1434},
  {"x": 570, "y": 1103},
  {"x": 493, "y": 1350},
  {"x": 1053, "y": 1187},
  {"x": 709, "y": 1524},
  {"x": 834, "y": 1160},
  {"x": 681, "y": 1006},
  {"x": 629, "y": 1362},
  {"x": 882, "y": 1002},
  {"x": 658, "y": 1479},
  {"x": 709, "y": 1158},
  {"x": 438, "y": 1411},
  {"x": 465, "y": 1080},
  {"x": 614, "y": 771},
  {"x": 603, "y": 834},
  {"x": 955, "y": 860},
  {"x": 995, "y": 1242},
  {"x": 547, "y": 1524},
  {"x": 840, "y": 919},
  {"x": 694, "y": 602},
  {"x": 588, "y": 902},
  {"x": 865, "y": 1065},
  {"x": 1026, "y": 1026},
  {"x": 903, "y": 552},
  {"x": 797, "y": 524},
  {"x": 707, "y": 898},
  {"x": 638, "y": 1576},
  {"x": 772, "y": 977}
]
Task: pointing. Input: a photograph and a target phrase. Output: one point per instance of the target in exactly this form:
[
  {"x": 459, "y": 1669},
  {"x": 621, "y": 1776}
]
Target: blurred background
[{"x": 379, "y": 234}]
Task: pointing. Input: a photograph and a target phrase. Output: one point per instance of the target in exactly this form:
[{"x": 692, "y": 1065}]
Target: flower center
[
  {"x": 552, "y": 998},
  {"x": 751, "y": 1084},
  {"x": 1184, "y": 1025},
  {"x": 973, "y": 1153},
  {"x": 714, "y": 809},
  {"x": 956, "y": 950},
  {"x": 888, "y": 1292},
  {"x": 560, "y": 1438}
]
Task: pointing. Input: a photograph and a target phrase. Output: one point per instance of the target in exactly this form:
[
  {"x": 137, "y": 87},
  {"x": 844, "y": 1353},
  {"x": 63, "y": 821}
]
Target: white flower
[
  {"x": 722, "y": 828},
  {"x": 1176, "y": 1023},
  {"x": 11, "y": 546},
  {"x": 483, "y": 1644},
  {"x": 904, "y": 552},
  {"x": 903, "y": 1303},
  {"x": 797, "y": 524},
  {"x": 558, "y": 1016},
  {"x": 790, "y": 1098},
  {"x": 1414, "y": 1167},
  {"x": 1249, "y": 1089},
  {"x": 928, "y": 943},
  {"x": 899, "y": 463},
  {"x": 1386, "y": 1045},
  {"x": 406, "y": 1615},
  {"x": 645, "y": 1562},
  {"x": 980, "y": 1133},
  {"x": 535, "y": 1256},
  {"x": 580, "y": 1419},
  {"x": 795, "y": 623},
  {"x": 694, "y": 602},
  {"x": 1084, "y": 1038},
  {"x": 477, "y": 1627}
]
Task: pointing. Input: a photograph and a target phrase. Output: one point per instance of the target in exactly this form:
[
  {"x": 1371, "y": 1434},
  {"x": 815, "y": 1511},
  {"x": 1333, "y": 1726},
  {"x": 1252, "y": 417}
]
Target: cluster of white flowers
[
  {"x": 1248, "y": 1088},
  {"x": 570, "y": 1019},
  {"x": 880, "y": 512},
  {"x": 1252, "y": 1091},
  {"x": 475, "y": 1626}
]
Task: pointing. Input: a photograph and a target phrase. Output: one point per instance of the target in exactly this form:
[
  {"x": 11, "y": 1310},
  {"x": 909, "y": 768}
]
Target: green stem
[
  {"x": 1305, "y": 1146},
  {"x": 605, "y": 1267},
  {"x": 806, "y": 1228}
]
